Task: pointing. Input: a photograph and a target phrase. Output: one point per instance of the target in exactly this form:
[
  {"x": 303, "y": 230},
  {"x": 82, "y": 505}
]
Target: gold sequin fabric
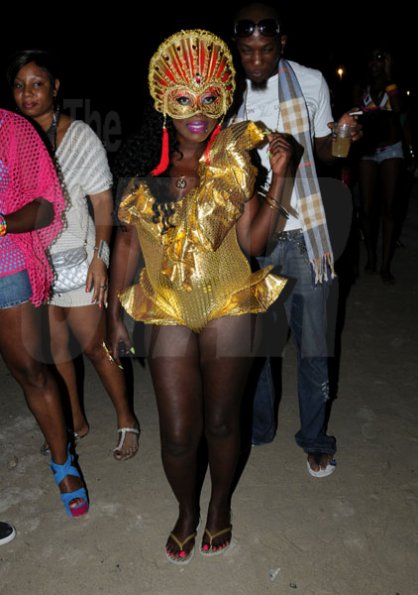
[{"x": 196, "y": 271}]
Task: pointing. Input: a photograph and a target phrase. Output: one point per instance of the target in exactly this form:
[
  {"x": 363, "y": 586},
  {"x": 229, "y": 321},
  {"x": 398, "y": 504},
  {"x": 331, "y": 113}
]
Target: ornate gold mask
[{"x": 191, "y": 73}]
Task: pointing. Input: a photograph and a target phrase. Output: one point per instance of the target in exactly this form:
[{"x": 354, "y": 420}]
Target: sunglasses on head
[{"x": 267, "y": 28}]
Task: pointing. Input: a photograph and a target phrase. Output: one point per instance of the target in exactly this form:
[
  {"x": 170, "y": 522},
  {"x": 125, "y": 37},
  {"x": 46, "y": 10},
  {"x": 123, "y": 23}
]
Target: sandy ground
[{"x": 354, "y": 533}]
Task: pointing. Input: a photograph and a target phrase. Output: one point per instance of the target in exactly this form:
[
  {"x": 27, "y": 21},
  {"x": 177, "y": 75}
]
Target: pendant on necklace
[{"x": 181, "y": 183}]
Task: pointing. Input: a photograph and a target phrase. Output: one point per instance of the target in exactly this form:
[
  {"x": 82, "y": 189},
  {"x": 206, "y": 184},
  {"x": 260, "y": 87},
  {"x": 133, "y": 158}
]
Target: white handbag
[{"x": 70, "y": 269}]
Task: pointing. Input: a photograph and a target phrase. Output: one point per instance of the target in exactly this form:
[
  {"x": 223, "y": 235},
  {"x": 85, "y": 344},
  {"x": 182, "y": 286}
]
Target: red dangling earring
[
  {"x": 214, "y": 134},
  {"x": 165, "y": 153}
]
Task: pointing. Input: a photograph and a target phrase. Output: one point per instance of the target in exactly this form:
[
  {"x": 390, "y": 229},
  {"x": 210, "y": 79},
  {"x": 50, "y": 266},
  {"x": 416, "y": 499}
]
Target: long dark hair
[{"x": 140, "y": 155}]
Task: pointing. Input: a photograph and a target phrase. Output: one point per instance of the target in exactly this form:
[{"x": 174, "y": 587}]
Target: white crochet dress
[{"x": 83, "y": 162}]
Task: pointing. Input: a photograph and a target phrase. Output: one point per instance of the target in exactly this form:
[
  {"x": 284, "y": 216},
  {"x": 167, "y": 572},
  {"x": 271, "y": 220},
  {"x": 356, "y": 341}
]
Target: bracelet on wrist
[
  {"x": 3, "y": 225},
  {"x": 103, "y": 252},
  {"x": 272, "y": 202},
  {"x": 284, "y": 212}
]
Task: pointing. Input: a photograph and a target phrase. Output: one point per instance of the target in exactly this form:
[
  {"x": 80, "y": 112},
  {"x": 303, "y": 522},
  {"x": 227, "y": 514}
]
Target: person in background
[
  {"x": 387, "y": 139},
  {"x": 193, "y": 214},
  {"x": 31, "y": 209},
  {"x": 81, "y": 156},
  {"x": 294, "y": 99}
]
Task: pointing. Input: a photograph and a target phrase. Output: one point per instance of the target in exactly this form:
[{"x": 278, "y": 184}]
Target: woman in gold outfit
[{"x": 193, "y": 215}]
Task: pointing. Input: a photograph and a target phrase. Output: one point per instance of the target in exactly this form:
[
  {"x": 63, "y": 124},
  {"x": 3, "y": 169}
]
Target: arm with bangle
[
  {"x": 97, "y": 277},
  {"x": 259, "y": 221},
  {"x": 102, "y": 207},
  {"x": 278, "y": 199}
]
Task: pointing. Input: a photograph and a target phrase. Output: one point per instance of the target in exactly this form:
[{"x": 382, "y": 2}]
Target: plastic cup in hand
[{"x": 341, "y": 139}]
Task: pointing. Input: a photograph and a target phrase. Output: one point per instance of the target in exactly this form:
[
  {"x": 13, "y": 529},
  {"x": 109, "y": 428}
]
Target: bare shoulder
[{"x": 64, "y": 124}]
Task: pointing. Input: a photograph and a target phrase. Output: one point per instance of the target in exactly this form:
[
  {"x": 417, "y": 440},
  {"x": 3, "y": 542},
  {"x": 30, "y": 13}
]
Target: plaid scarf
[{"x": 295, "y": 118}]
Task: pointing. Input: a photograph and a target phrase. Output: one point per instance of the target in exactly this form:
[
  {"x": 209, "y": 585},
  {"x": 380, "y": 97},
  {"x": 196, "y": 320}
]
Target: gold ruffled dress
[{"x": 196, "y": 271}]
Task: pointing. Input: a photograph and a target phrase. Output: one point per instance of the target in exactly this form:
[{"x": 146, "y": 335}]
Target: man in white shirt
[{"x": 291, "y": 98}]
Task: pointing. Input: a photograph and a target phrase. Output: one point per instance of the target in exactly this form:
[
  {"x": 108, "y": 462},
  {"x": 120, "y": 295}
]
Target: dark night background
[{"x": 105, "y": 57}]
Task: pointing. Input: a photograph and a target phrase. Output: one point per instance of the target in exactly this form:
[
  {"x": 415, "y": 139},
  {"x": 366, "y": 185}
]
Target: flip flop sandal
[
  {"x": 329, "y": 469},
  {"x": 183, "y": 557},
  {"x": 207, "y": 548}
]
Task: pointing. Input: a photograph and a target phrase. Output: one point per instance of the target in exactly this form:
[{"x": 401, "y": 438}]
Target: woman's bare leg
[
  {"x": 390, "y": 172},
  {"x": 20, "y": 350},
  {"x": 88, "y": 325},
  {"x": 226, "y": 348},
  {"x": 175, "y": 368},
  {"x": 64, "y": 364}
]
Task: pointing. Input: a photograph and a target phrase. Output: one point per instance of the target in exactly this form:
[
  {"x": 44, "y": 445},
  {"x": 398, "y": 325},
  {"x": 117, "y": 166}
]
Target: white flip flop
[{"x": 329, "y": 469}]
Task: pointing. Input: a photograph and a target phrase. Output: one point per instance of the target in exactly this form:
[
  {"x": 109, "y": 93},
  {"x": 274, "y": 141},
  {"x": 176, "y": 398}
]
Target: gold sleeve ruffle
[{"x": 226, "y": 183}]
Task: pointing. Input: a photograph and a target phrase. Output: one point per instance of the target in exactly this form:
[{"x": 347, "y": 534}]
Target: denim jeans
[
  {"x": 264, "y": 407},
  {"x": 306, "y": 313}
]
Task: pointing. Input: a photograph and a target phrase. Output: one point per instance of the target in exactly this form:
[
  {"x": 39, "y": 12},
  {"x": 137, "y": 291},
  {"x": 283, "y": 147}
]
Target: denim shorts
[
  {"x": 14, "y": 289},
  {"x": 394, "y": 151}
]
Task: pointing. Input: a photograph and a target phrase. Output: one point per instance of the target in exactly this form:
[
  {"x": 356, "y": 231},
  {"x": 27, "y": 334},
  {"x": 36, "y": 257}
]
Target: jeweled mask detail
[{"x": 192, "y": 72}]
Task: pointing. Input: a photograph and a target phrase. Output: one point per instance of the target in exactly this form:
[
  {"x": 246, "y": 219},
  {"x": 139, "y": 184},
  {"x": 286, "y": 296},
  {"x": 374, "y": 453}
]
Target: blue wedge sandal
[{"x": 60, "y": 472}]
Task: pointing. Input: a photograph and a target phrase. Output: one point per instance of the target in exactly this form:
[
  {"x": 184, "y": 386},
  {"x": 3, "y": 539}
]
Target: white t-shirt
[{"x": 263, "y": 105}]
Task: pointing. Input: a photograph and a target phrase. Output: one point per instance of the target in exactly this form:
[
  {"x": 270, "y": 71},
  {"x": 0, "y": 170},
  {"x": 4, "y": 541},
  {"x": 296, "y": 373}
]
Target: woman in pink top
[{"x": 31, "y": 206}]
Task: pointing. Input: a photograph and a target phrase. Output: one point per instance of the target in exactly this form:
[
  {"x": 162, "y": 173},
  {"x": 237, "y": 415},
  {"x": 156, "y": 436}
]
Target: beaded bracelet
[{"x": 3, "y": 225}]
